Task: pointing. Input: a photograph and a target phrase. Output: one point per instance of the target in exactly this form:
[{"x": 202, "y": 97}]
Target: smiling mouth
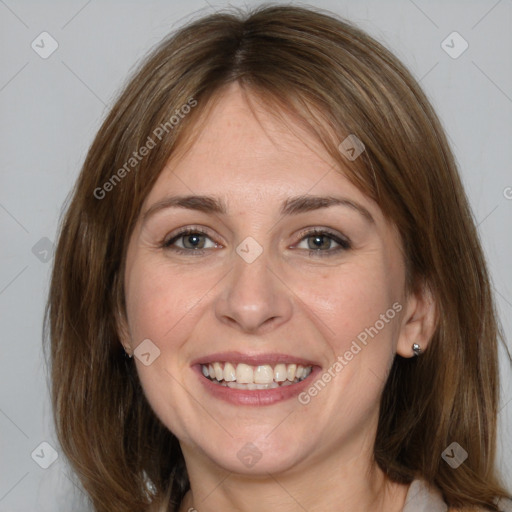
[{"x": 244, "y": 376}]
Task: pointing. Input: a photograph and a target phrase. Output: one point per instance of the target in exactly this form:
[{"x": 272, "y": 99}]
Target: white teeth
[
  {"x": 229, "y": 372},
  {"x": 263, "y": 374},
  {"x": 280, "y": 372},
  {"x": 290, "y": 372},
  {"x": 244, "y": 374},
  {"x": 219, "y": 373},
  {"x": 251, "y": 386}
]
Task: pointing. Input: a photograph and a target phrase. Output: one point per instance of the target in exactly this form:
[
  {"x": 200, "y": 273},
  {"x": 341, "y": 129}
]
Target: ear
[
  {"x": 123, "y": 331},
  {"x": 121, "y": 322},
  {"x": 419, "y": 321}
]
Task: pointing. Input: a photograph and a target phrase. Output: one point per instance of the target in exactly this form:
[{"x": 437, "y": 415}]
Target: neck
[{"x": 357, "y": 485}]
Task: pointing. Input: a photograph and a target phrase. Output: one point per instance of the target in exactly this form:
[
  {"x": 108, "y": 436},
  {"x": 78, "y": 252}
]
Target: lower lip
[{"x": 255, "y": 397}]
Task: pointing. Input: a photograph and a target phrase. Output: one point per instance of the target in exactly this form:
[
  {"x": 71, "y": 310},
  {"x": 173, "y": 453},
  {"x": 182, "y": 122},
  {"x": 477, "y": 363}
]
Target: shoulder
[
  {"x": 505, "y": 505},
  {"x": 424, "y": 498}
]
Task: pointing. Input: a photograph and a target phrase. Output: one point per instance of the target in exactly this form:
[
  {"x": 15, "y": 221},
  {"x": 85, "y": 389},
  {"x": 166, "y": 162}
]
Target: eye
[
  {"x": 190, "y": 240},
  {"x": 322, "y": 242},
  {"x": 319, "y": 242}
]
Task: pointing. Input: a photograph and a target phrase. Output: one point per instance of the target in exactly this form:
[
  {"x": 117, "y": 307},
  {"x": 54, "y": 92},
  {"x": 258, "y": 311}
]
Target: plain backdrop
[{"x": 50, "y": 109}]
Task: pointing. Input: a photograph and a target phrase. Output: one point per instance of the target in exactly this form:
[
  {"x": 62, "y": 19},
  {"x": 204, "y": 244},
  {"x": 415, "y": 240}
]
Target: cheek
[
  {"x": 158, "y": 298},
  {"x": 361, "y": 315},
  {"x": 160, "y": 305},
  {"x": 351, "y": 302}
]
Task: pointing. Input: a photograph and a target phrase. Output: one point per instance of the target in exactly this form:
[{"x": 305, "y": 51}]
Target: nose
[{"x": 254, "y": 299}]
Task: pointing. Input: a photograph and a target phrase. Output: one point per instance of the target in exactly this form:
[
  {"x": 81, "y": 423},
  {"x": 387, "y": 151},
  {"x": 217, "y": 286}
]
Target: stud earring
[
  {"x": 127, "y": 354},
  {"x": 416, "y": 349}
]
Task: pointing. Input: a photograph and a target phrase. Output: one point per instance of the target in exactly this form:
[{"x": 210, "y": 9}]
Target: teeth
[
  {"x": 229, "y": 372},
  {"x": 280, "y": 373},
  {"x": 290, "y": 372},
  {"x": 264, "y": 374},
  {"x": 244, "y": 376},
  {"x": 219, "y": 373},
  {"x": 252, "y": 386}
]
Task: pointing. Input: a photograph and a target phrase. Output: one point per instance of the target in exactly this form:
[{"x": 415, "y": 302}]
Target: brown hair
[{"x": 336, "y": 80}]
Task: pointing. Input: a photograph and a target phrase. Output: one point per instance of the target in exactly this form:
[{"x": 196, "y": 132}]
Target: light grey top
[{"x": 422, "y": 498}]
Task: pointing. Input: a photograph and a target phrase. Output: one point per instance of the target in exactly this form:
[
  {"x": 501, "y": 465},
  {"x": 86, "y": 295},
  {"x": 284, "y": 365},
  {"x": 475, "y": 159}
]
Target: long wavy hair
[{"x": 310, "y": 66}]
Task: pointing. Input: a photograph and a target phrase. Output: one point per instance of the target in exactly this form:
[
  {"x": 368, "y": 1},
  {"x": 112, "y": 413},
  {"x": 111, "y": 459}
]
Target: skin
[{"x": 315, "y": 457}]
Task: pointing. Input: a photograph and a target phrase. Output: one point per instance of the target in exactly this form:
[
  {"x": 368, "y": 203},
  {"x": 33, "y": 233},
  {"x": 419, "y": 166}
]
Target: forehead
[{"x": 245, "y": 150}]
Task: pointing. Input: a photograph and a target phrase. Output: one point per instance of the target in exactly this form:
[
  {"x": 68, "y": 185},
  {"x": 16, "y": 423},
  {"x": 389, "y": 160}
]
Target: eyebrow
[{"x": 291, "y": 206}]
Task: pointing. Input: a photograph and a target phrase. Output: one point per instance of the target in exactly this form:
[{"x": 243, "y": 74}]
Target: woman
[{"x": 271, "y": 221}]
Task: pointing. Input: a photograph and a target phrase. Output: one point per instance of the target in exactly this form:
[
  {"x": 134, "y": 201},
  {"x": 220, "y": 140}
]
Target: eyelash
[{"x": 344, "y": 243}]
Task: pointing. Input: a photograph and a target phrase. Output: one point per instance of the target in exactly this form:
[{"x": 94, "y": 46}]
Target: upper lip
[{"x": 252, "y": 359}]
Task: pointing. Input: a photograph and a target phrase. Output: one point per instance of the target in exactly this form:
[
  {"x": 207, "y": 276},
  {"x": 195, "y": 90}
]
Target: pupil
[
  {"x": 193, "y": 240},
  {"x": 320, "y": 241}
]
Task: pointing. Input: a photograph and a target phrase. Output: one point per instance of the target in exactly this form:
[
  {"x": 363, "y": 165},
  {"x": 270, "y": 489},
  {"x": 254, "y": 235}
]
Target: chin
[{"x": 257, "y": 455}]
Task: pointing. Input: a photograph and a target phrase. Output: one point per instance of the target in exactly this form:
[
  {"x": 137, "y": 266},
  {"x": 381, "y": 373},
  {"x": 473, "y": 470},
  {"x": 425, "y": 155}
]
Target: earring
[
  {"x": 416, "y": 349},
  {"x": 127, "y": 354}
]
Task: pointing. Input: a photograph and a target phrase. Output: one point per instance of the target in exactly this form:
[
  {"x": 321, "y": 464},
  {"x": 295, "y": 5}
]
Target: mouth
[
  {"x": 249, "y": 377},
  {"x": 254, "y": 380}
]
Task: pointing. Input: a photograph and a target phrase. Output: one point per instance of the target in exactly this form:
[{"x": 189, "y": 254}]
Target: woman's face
[{"x": 270, "y": 285}]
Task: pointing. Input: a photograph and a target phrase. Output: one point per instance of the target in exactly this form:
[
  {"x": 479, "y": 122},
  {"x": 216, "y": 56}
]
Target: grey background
[{"x": 51, "y": 108}]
